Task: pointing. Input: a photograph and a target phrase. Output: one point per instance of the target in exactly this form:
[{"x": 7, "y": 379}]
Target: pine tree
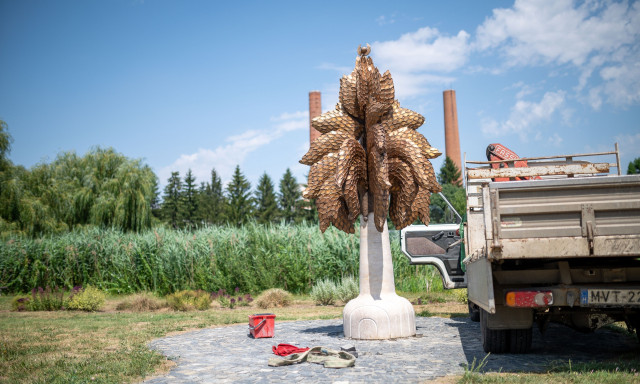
[
  {"x": 266, "y": 206},
  {"x": 240, "y": 203},
  {"x": 216, "y": 199},
  {"x": 5, "y": 147},
  {"x": 211, "y": 201},
  {"x": 289, "y": 197},
  {"x": 308, "y": 209},
  {"x": 155, "y": 200},
  {"x": 189, "y": 197},
  {"x": 634, "y": 167},
  {"x": 449, "y": 173},
  {"x": 172, "y": 200}
]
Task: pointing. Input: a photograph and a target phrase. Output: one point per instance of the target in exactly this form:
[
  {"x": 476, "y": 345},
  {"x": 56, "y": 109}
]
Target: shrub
[
  {"x": 227, "y": 301},
  {"x": 89, "y": 299},
  {"x": 46, "y": 299},
  {"x": 142, "y": 302},
  {"x": 244, "y": 301},
  {"x": 40, "y": 300},
  {"x": 189, "y": 300},
  {"x": 324, "y": 292},
  {"x": 274, "y": 297},
  {"x": 460, "y": 295},
  {"x": 348, "y": 289},
  {"x": 21, "y": 303}
]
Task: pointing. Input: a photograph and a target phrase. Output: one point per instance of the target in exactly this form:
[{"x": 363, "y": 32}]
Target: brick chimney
[
  {"x": 315, "y": 109},
  {"x": 451, "y": 134}
]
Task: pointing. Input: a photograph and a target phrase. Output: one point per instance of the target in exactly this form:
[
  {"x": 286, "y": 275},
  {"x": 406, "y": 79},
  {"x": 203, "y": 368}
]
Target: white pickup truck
[{"x": 562, "y": 246}]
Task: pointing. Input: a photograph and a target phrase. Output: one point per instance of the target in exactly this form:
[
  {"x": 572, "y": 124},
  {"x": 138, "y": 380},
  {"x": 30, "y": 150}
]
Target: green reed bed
[{"x": 252, "y": 258}]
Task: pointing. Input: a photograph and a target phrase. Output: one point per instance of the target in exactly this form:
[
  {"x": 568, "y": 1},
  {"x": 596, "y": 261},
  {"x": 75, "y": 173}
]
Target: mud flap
[{"x": 480, "y": 284}]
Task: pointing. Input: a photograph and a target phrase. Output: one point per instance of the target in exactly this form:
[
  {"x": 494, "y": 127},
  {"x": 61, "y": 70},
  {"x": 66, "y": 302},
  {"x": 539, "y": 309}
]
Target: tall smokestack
[
  {"x": 315, "y": 110},
  {"x": 451, "y": 135}
]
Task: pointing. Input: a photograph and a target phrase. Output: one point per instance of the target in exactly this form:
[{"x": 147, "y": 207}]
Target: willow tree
[
  {"x": 102, "y": 188},
  {"x": 370, "y": 161}
]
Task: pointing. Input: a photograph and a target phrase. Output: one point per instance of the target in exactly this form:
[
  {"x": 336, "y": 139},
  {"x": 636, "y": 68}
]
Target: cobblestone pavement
[{"x": 442, "y": 347}]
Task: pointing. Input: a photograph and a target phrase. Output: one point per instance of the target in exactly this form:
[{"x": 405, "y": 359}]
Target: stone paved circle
[{"x": 442, "y": 347}]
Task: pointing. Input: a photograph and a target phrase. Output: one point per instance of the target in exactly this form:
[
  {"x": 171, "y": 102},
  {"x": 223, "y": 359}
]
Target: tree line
[
  {"x": 106, "y": 189},
  {"x": 185, "y": 204}
]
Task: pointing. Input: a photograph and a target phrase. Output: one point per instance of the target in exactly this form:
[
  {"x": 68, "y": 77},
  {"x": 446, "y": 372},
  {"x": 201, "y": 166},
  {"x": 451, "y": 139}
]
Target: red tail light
[{"x": 529, "y": 299}]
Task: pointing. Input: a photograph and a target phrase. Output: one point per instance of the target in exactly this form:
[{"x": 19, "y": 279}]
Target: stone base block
[{"x": 388, "y": 317}]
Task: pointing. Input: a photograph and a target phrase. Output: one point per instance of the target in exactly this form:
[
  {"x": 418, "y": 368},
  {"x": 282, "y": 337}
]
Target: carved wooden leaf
[
  {"x": 327, "y": 143},
  {"x": 353, "y": 188},
  {"x": 421, "y": 205},
  {"x": 406, "y": 133},
  {"x": 336, "y": 120},
  {"x": 319, "y": 172},
  {"x": 351, "y": 154},
  {"x": 410, "y": 153},
  {"x": 403, "y": 192},
  {"x": 387, "y": 91},
  {"x": 347, "y": 95},
  {"x": 402, "y": 117}
]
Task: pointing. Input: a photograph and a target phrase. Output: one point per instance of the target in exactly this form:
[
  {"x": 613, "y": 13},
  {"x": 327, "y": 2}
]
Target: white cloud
[
  {"x": 629, "y": 146},
  {"x": 595, "y": 98},
  {"x": 555, "y": 140},
  {"x": 525, "y": 115},
  {"x": 290, "y": 116},
  {"x": 384, "y": 20},
  {"x": 523, "y": 89},
  {"x": 555, "y": 30},
  {"x": 224, "y": 158},
  {"x": 593, "y": 36},
  {"x": 414, "y": 84},
  {"x": 622, "y": 82},
  {"x": 424, "y": 50},
  {"x": 419, "y": 58},
  {"x": 337, "y": 68}
]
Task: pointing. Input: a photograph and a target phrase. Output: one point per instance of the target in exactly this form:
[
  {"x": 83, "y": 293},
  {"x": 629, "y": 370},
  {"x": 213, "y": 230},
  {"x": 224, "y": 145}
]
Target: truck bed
[{"x": 595, "y": 216}]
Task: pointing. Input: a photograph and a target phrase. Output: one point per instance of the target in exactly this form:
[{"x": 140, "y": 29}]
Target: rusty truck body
[{"x": 562, "y": 246}]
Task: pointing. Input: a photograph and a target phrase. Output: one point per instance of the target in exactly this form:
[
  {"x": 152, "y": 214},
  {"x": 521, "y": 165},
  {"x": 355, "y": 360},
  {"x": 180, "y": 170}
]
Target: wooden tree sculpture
[
  {"x": 370, "y": 160},
  {"x": 394, "y": 164}
]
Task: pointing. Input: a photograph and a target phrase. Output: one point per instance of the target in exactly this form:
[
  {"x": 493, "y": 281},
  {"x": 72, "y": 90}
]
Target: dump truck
[{"x": 546, "y": 239}]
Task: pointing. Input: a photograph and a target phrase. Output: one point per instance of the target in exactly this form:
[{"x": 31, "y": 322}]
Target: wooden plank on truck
[{"x": 538, "y": 170}]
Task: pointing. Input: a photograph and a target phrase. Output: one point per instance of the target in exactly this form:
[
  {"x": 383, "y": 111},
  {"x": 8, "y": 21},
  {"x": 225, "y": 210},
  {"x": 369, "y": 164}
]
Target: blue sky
[{"x": 204, "y": 84}]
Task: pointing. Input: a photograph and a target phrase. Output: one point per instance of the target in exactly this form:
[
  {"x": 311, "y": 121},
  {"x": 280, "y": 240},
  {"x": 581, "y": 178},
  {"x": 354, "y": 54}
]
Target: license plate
[{"x": 609, "y": 297}]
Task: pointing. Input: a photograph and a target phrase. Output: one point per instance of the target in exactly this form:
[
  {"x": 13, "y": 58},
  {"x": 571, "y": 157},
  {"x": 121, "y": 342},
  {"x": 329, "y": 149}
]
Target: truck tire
[
  {"x": 520, "y": 340},
  {"x": 504, "y": 340},
  {"x": 493, "y": 340},
  {"x": 474, "y": 312}
]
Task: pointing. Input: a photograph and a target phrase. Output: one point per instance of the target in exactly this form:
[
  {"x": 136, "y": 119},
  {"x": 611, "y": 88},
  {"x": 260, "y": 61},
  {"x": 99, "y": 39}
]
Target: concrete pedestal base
[
  {"x": 378, "y": 312},
  {"x": 389, "y": 317}
]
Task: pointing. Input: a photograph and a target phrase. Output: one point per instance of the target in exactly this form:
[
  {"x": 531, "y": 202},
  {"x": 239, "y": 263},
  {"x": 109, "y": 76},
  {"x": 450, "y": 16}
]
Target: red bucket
[{"x": 262, "y": 325}]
